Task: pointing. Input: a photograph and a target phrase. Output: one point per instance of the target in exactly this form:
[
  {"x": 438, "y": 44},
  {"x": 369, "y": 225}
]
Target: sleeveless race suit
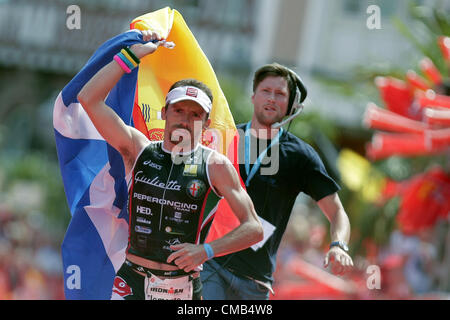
[{"x": 171, "y": 201}]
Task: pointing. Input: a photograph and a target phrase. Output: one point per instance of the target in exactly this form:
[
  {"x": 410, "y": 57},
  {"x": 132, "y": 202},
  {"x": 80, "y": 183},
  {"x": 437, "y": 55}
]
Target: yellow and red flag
[{"x": 157, "y": 72}]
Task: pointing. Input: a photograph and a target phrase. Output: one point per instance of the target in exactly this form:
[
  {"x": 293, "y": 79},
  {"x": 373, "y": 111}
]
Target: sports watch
[{"x": 340, "y": 244}]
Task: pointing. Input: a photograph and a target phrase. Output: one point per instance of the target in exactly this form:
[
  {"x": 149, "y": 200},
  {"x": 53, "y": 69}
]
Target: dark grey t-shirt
[{"x": 300, "y": 169}]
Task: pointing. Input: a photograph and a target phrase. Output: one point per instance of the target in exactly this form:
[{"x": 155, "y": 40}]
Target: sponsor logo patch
[
  {"x": 170, "y": 185},
  {"x": 140, "y": 229},
  {"x": 190, "y": 170},
  {"x": 172, "y": 231},
  {"x": 143, "y": 220},
  {"x": 196, "y": 189},
  {"x": 192, "y": 92},
  {"x": 153, "y": 165},
  {"x": 121, "y": 287}
]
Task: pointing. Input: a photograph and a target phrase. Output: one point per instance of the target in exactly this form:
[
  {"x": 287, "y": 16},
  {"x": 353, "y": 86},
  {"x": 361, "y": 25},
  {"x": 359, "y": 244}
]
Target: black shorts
[{"x": 129, "y": 285}]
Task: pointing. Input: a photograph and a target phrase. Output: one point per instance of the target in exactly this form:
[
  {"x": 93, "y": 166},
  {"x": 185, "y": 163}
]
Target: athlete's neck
[{"x": 262, "y": 131}]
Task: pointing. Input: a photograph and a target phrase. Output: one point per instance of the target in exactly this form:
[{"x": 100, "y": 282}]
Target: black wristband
[{"x": 132, "y": 55}]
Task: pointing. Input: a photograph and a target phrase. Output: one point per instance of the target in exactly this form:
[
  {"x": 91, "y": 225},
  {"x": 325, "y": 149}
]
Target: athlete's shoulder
[
  {"x": 151, "y": 147},
  {"x": 154, "y": 144},
  {"x": 207, "y": 152},
  {"x": 206, "y": 148},
  {"x": 215, "y": 157}
]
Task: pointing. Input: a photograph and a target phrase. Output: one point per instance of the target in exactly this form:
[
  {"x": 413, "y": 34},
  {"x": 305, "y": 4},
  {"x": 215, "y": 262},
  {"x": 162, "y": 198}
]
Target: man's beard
[
  {"x": 180, "y": 133},
  {"x": 183, "y": 139},
  {"x": 267, "y": 120}
]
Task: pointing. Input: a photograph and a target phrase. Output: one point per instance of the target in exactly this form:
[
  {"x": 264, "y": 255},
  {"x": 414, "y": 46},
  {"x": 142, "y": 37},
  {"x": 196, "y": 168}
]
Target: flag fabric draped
[{"x": 93, "y": 172}]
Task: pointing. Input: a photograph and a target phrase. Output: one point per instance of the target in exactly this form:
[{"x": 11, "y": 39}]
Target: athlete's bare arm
[
  {"x": 125, "y": 139},
  {"x": 225, "y": 180}
]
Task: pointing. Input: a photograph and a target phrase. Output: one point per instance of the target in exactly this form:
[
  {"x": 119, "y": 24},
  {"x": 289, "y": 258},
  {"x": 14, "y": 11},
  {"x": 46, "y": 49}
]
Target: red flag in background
[
  {"x": 425, "y": 199},
  {"x": 225, "y": 220}
]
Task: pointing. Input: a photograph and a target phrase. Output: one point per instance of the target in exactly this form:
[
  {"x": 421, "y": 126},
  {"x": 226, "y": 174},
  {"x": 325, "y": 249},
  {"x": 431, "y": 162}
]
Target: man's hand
[
  {"x": 339, "y": 260},
  {"x": 153, "y": 41},
  {"x": 187, "y": 256}
]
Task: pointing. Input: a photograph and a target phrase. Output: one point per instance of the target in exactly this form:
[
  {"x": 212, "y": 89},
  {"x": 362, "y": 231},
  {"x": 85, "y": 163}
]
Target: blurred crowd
[
  {"x": 30, "y": 263},
  {"x": 407, "y": 267}
]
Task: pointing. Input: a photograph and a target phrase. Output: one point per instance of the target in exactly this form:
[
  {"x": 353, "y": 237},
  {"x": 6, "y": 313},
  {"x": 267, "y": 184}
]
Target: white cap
[{"x": 189, "y": 93}]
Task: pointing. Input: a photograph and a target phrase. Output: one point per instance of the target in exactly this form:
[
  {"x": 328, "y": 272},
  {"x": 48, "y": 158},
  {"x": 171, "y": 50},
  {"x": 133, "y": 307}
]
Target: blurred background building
[
  {"x": 327, "y": 42},
  {"x": 314, "y": 37}
]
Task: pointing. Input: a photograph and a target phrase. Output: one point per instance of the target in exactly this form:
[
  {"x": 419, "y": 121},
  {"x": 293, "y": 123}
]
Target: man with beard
[
  {"x": 276, "y": 166},
  {"x": 174, "y": 186}
]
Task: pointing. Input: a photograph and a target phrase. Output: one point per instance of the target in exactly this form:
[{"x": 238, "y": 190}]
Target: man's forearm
[
  {"x": 240, "y": 238},
  {"x": 99, "y": 86},
  {"x": 340, "y": 227},
  {"x": 332, "y": 207}
]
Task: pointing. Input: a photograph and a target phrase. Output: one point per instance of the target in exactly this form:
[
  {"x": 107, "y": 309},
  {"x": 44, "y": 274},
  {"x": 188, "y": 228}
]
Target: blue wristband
[
  {"x": 126, "y": 61},
  {"x": 209, "y": 251}
]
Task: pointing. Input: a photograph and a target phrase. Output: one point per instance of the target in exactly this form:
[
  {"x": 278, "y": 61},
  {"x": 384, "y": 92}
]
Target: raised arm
[
  {"x": 125, "y": 139},
  {"x": 225, "y": 180}
]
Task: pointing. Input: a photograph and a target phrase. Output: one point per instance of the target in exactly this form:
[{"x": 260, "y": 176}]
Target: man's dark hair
[
  {"x": 276, "y": 70},
  {"x": 193, "y": 83}
]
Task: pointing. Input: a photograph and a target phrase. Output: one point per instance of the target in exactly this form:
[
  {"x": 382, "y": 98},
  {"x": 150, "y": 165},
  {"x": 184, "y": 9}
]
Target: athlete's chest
[{"x": 158, "y": 173}]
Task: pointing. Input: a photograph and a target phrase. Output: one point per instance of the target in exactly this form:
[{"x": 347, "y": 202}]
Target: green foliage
[
  {"x": 376, "y": 223},
  {"x": 429, "y": 24},
  {"x": 309, "y": 123},
  {"x": 239, "y": 100},
  {"x": 401, "y": 168},
  {"x": 38, "y": 168},
  {"x": 28, "y": 160}
]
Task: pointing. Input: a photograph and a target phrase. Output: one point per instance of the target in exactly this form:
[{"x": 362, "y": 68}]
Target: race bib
[{"x": 168, "y": 289}]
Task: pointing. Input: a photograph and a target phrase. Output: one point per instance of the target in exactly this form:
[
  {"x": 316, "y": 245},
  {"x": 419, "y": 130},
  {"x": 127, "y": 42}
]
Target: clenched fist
[{"x": 153, "y": 41}]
